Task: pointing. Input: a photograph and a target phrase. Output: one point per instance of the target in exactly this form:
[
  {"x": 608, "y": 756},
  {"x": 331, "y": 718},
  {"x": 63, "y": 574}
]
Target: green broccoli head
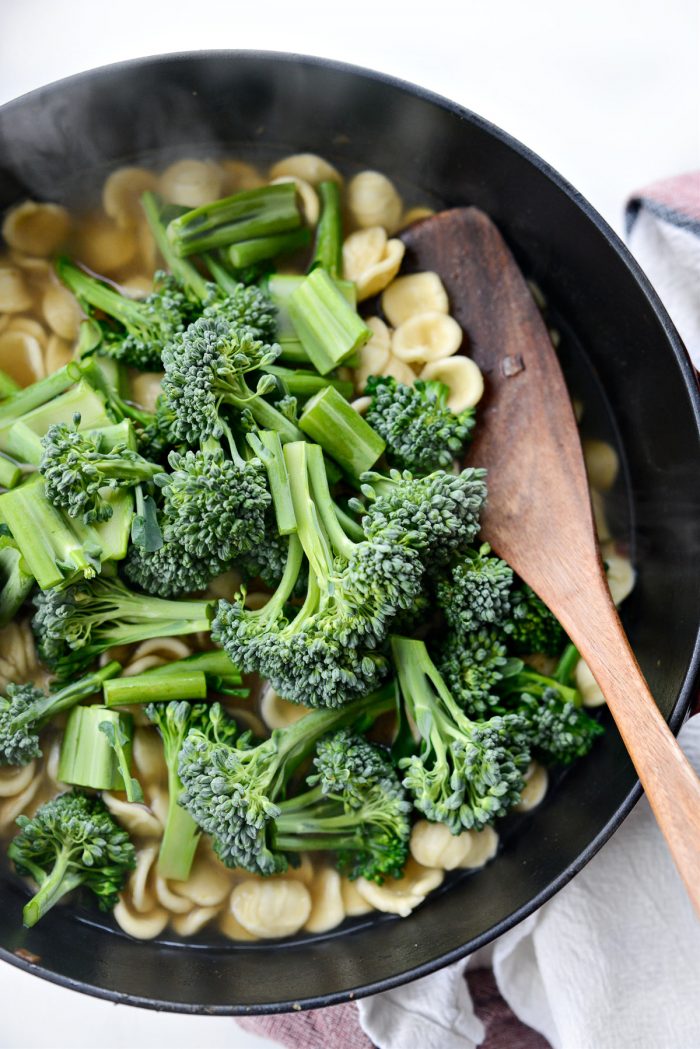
[
  {"x": 439, "y": 514},
  {"x": 205, "y": 368},
  {"x": 356, "y": 808},
  {"x": 421, "y": 433},
  {"x": 476, "y": 591},
  {"x": 247, "y": 308},
  {"x": 152, "y": 323},
  {"x": 212, "y": 506},
  {"x": 466, "y": 773},
  {"x": 171, "y": 570},
  {"x": 71, "y": 840},
  {"x": 19, "y": 743},
  {"x": 531, "y": 627},
  {"x": 556, "y": 729},
  {"x": 77, "y": 471},
  {"x": 473, "y": 665}
]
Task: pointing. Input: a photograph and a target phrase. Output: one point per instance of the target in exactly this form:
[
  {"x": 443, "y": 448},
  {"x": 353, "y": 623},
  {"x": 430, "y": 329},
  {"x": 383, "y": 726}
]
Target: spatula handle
[{"x": 670, "y": 783}]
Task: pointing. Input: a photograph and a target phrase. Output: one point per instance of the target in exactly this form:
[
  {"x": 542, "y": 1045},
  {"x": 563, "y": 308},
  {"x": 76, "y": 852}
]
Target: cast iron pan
[{"x": 622, "y": 356}]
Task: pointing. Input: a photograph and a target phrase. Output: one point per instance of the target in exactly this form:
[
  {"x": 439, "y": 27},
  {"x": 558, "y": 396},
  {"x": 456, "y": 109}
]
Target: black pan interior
[{"x": 621, "y": 357}]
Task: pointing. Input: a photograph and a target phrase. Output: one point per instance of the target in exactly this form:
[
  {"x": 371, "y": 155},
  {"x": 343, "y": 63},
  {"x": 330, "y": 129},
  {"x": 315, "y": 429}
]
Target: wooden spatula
[{"x": 538, "y": 515}]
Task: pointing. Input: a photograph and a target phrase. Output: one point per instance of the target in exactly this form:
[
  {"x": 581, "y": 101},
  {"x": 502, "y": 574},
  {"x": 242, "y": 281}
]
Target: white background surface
[{"x": 608, "y": 91}]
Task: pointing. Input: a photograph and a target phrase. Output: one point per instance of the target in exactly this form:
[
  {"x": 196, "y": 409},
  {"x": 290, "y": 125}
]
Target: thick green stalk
[
  {"x": 143, "y": 688},
  {"x": 280, "y": 287},
  {"x": 39, "y": 393},
  {"x": 16, "y": 584},
  {"x": 181, "y": 835},
  {"x": 98, "y": 295},
  {"x": 567, "y": 664},
  {"x": 214, "y": 664},
  {"x": 67, "y": 697},
  {"x": 326, "y": 508},
  {"x": 301, "y": 383},
  {"x": 328, "y": 250},
  {"x": 330, "y": 330},
  {"x": 10, "y": 472},
  {"x": 88, "y": 758},
  {"x": 59, "y": 883},
  {"x": 8, "y": 386},
  {"x": 268, "y": 447},
  {"x": 329, "y": 420},
  {"x": 309, "y": 526},
  {"x": 248, "y": 252},
  {"x": 22, "y": 437},
  {"x": 243, "y": 216},
  {"x": 187, "y": 274}
]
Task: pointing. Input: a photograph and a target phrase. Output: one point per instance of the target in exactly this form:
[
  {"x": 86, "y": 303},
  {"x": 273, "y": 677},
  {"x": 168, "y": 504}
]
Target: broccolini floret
[
  {"x": 141, "y": 328},
  {"x": 531, "y": 627},
  {"x": 233, "y": 791},
  {"x": 174, "y": 721},
  {"x": 25, "y": 709},
  {"x": 440, "y": 512},
  {"x": 170, "y": 570},
  {"x": 356, "y": 808},
  {"x": 205, "y": 369},
  {"x": 327, "y": 653},
  {"x": 473, "y": 665},
  {"x": 78, "y": 471},
  {"x": 467, "y": 773},
  {"x": 476, "y": 591},
  {"x": 74, "y": 626},
  {"x": 71, "y": 840},
  {"x": 421, "y": 433}
]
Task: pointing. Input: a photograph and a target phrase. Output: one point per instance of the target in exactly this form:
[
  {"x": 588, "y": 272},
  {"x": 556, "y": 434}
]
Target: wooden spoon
[{"x": 538, "y": 514}]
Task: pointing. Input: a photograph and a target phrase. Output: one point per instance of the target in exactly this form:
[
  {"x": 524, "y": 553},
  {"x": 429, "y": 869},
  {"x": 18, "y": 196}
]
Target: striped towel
[{"x": 623, "y": 931}]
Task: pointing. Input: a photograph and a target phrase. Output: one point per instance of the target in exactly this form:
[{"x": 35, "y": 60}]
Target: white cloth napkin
[{"x": 613, "y": 960}]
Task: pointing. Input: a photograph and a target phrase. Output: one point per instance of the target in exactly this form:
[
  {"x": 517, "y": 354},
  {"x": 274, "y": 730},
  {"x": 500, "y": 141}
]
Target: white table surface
[{"x": 607, "y": 92}]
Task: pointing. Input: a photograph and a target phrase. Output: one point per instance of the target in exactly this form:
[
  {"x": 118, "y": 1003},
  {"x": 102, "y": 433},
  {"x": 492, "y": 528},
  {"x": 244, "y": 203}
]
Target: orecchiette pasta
[
  {"x": 621, "y": 576},
  {"x": 600, "y": 518},
  {"x": 277, "y": 712},
  {"x": 15, "y": 295},
  {"x": 374, "y": 355},
  {"x": 138, "y": 286},
  {"x": 427, "y": 337},
  {"x": 415, "y": 215},
  {"x": 433, "y": 845},
  {"x": 138, "y": 820},
  {"x": 194, "y": 921},
  {"x": 399, "y": 370},
  {"x": 58, "y": 353},
  {"x": 304, "y": 871},
  {"x": 415, "y": 293},
  {"x": 464, "y": 378},
  {"x": 29, "y": 326},
  {"x": 191, "y": 183},
  {"x": 18, "y": 657},
  {"x": 231, "y": 927},
  {"x": 401, "y": 895},
  {"x": 140, "y": 926},
  {"x": 354, "y": 904},
  {"x": 21, "y": 357},
  {"x": 587, "y": 685},
  {"x": 147, "y": 753},
  {"x": 208, "y": 884},
  {"x": 308, "y": 195},
  {"x": 36, "y": 229},
  {"x": 327, "y": 908},
  {"x": 121, "y": 194},
  {"x": 371, "y": 260},
  {"x": 14, "y": 780},
  {"x": 602, "y": 464},
  {"x": 536, "y": 782},
  {"x": 309, "y": 166},
  {"x": 484, "y": 846},
  {"x": 225, "y": 585},
  {"x": 271, "y": 908},
  {"x": 14, "y": 806},
  {"x": 138, "y": 889},
  {"x": 61, "y": 312},
  {"x": 103, "y": 246},
  {"x": 146, "y": 389},
  {"x": 169, "y": 899},
  {"x": 239, "y": 175},
  {"x": 372, "y": 200}
]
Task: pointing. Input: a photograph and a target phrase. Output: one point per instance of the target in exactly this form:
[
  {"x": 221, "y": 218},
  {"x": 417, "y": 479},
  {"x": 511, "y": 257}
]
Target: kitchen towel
[{"x": 613, "y": 960}]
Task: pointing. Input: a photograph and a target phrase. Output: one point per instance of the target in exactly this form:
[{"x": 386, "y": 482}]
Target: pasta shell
[
  {"x": 462, "y": 375},
  {"x": 103, "y": 246},
  {"x": 138, "y": 891},
  {"x": 587, "y": 685},
  {"x": 602, "y": 464},
  {"x": 136, "y": 819},
  {"x": 29, "y": 326},
  {"x": 147, "y": 751},
  {"x": 309, "y": 197},
  {"x": 191, "y": 183},
  {"x": 415, "y": 215},
  {"x": 14, "y": 291},
  {"x": 277, "y": 712},
  {"x": 208, "y": 885},
  {"x": 327, "y": 908},
  {"x": 140, "y": 926},
  {"x": 371, "y": 260},
  {"x": 121, "y": 194},
  {"x": 401, "y": 895},
  {"x": 62, "y": 312},
  {"x": 194, "y": 921},
  {"x": 146, "y": 389},
  {"x": 309, "y": 166},
  {"x": 401, "y": 371},
  {"x": 170, "y": 900},
  {"x": 36, "y": 229},
  {"x": 412, "y": 294},
  {"x": 13, "y": 780},
  {"x": 424, "y": 337},
  {"x": 21, "y": 357},
  {"x": 484, "y": 847},
  {"x": 433, "y": 845},
  {"x": 372, "y": 200},
  {"x": 15, "y": 806},
  {"x": 239, "y": 175},
  {"x": 536, "y": 783},
  {"x": 621, "y": 576},
  {"x": 354, "y": 903},
  {"x": 58, "y": 353},
  {"x": 231, "y": 927},
  {"x": 272, "y": 907}
]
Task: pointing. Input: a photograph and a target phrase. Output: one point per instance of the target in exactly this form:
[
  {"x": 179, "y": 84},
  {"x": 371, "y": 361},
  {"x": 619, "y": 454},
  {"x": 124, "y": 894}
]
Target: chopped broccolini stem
[
  {"x": 243, "y": 216},
  {"x": 329, "y": 329}
]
